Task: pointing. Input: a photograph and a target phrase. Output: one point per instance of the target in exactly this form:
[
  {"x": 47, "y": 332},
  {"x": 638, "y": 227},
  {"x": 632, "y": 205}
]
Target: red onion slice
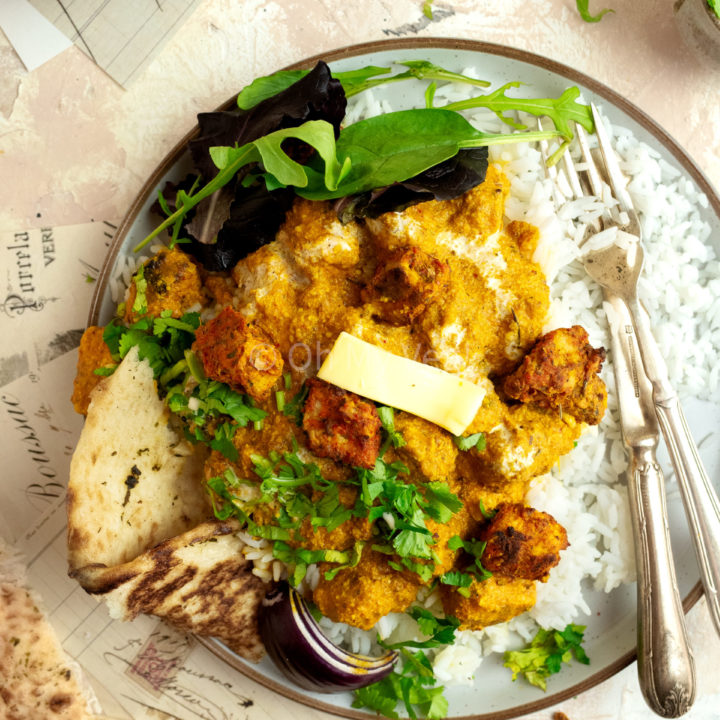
[{"x": 300, "y": 650}]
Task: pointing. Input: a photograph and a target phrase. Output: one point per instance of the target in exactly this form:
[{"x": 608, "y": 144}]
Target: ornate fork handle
[
  {"x": 665, "y": 665},
  {"x": 699, "y": 498}
]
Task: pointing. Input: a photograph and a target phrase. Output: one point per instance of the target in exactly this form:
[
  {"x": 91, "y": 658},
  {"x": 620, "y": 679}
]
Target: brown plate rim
[{"x": 574, "y": 76}]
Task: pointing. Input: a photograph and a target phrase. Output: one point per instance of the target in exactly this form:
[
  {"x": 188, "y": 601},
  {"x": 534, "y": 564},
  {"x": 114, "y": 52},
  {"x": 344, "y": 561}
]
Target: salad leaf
[
  {"x": 583, "y": 9},
  {"x": 547, "y": 651},
  {"x": 315, "y": 96},
  {"x": 443, "y": 181},
  {"x": 715, "y": 6},
  {"x": 266, "y": 87},
  {"x": 255, "y": 215},
  {"x": 352, "y": 81},
  {"x": 562, "y": 111},
  {"x": 390, "y": 148}
]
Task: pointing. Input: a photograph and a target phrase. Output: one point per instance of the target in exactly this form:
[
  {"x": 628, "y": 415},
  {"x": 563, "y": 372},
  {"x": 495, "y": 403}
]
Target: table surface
[{"x": 76, "y": 147}]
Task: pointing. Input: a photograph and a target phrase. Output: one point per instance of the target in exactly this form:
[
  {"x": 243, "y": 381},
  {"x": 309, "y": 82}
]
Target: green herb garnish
[
  {"x": 387, "y": 420},
  {"x": 476, "y": 440},
  {"x": 547, "y": 651},
  {"x": 413, "y": 682},
  {"x": 140, "y": 302},
  {"x": 584, "y": 10}
]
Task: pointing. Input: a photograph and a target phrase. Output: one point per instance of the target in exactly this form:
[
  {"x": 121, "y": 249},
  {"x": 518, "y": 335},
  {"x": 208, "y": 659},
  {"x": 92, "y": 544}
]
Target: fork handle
[
  {"x": 666, "y": 670},
  {"x": 699, "y": 498}
]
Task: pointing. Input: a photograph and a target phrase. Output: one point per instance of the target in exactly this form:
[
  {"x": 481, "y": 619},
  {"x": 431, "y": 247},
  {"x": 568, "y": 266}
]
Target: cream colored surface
[{"x": 74, "y": 146}]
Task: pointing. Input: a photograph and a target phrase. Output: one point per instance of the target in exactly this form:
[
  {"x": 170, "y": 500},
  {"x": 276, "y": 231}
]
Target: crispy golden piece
[
  {"x": 361, "y": 595},
  {"x": 93, "y": 354},
  {"x": 341, "y": 425},
  {"x": 523, "y": 543},
  {"x": 172, "y": 282},
  {"x": 491, "y": 601},
  {"x": 405, "y": 281},
  {"x": 561, "y": 372},
  {"x": 238, "y": 354}
]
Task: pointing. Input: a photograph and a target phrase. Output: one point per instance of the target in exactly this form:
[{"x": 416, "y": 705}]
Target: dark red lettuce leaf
[
  {"x": 317, "y": 96},
  {"x": 445, "y": 181},
  {"x": 254, "y": 219}
]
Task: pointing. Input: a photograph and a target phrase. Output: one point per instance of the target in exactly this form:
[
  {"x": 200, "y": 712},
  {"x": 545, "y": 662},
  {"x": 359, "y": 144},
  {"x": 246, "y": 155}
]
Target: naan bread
[
  {"x": 37, "y": 678},
  {"x": 199, "y": 581},
  {"x": 140, "y": 533},
  {"x": 133, "y": 481}
]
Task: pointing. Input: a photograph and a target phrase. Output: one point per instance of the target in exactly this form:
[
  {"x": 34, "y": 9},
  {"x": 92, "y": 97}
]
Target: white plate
[{"x": 611, "y": 629}]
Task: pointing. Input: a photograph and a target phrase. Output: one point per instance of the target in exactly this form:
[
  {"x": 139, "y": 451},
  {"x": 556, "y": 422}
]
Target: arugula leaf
[
  {"x": 562, "y": 111},
  {"x": 715, "y": 6},
  {"x": 583, "y": 9},
  {"x": 546, "y": 653},
  {"x": 476, "y": 440}
]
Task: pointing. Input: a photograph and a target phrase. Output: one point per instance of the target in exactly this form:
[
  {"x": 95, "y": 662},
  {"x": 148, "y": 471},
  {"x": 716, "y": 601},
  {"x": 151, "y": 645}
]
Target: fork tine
[
  {"x": 618, "y": 182},
  {"x": 596, "y": 183}
]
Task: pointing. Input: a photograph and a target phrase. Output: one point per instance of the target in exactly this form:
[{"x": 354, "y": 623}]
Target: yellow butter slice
[{"x": 428, "y": 392}]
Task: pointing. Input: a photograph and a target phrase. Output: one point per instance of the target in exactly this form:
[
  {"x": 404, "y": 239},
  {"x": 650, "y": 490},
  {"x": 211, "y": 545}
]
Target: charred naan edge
[
  {"x": 134, "y": 482},
  {"x": 198, "y": 581},
  {"x": 37, "y": 678}
]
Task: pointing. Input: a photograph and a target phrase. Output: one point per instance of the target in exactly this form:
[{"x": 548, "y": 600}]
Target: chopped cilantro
[
  {"x": 293, "y": 407},
  {"x": 476, "y": 440},
  {"x": 280, "y": 400},
  {"x": 140, "y": 302},
  {"x": 412, "y": 684},
  {"x": 546, "y": 653},
  {"x": 387, "y": 420},
  {"x": 222, "y": 441},
  {"x": 487, "y": 514},
  {"x": 401, "y": 509},
  {"x": 463, "y": 579},
  {"x": 441, "y": 631}
]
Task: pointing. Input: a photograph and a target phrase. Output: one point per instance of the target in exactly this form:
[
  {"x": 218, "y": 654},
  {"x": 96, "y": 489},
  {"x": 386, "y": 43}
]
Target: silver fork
[
  {"x": 665, "y": 664},
  {"x": 618, "y": 272}
]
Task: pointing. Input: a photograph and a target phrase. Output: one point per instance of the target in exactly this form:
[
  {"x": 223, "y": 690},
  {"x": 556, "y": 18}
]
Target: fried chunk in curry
[
  {"x": 490, "y": 601},
  {"x": 341, "y": 425},
  {"x": 522, "y": 543},
  {"x": 171, "y": 281},
  {"x": 361, "y": 595},
  {"x": 238, "y": 354},
  {"x": 561, "y": 371},
  {"x": 92, "y": 354},
  {"x": 405, "y": 281}
]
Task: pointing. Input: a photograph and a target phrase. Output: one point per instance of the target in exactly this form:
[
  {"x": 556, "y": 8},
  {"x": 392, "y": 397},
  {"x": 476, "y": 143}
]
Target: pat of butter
[{"x": 428, "y": 392}]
